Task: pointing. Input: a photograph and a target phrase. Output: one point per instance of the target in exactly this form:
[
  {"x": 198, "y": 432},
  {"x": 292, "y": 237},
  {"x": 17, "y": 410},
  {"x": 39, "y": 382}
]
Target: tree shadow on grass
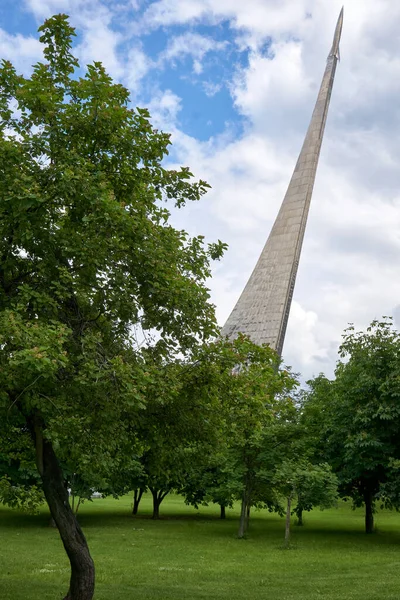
[
  {"x": 13, "y": 519},
  {"x": 349, "y": 535}
]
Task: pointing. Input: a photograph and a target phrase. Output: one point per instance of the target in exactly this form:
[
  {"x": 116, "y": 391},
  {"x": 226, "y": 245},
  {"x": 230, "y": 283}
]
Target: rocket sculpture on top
[{"x": 262, "y": 311}]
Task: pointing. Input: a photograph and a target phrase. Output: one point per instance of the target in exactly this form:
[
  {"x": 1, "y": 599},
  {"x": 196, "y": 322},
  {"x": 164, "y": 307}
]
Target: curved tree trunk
[
  {"x": 137, "y": 496},
  {"x": 158, "y": 497},
  {"x": 369, "y": 511},
  {"x": 82, "y": 567}
]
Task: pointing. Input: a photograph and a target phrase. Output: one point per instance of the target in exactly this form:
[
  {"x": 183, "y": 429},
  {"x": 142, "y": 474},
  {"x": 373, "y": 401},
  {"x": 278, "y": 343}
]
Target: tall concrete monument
[{"x": 262, "y": 311}]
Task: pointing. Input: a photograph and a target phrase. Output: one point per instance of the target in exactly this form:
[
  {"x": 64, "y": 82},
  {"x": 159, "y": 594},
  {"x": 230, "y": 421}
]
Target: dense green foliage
[
  {"x": 355, "y": 418},
  {"x": 88, "y": 261}
]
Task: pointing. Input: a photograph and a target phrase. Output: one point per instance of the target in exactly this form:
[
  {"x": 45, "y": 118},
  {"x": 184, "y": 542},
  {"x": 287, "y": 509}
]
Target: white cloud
[
  {"x": 100, "y": 43},
  {"x": 22, "y": 51},
  {"x": 211, "y": 88},
  {"x": 190, "y": 44},
  {"x": 164, "y": 109},
  {"x": 349, "y": 266},
  {"x": 266, "y": 88},
  {"x": 259, "y": 17},
  {"x": 105, "y": 35}
]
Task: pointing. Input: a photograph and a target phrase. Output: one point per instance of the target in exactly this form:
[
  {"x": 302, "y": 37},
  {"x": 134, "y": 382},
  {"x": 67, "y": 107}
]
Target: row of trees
[
  {"x": 337, "y": 437},
  {"x": 88, "y": 259}
]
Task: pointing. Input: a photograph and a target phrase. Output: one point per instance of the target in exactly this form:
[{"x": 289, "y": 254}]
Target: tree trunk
[
  {"x": 156, "y": 507},
  {"x": 158, "y": 497},
  {"x": 137, "y": 496},
  {"x": 245, "y": 509},
  {"x": 78, "y": 505},
  {"x": 299, "y": 513},
  {"x": 247, "y": 515},
  {"x": 287, "y": 527},
  {"x": 222, "y": 513},
  {"x": 242, "y": 522},
  {"x": 81, "y": 585},
  {"x": 369, "y": 511}
]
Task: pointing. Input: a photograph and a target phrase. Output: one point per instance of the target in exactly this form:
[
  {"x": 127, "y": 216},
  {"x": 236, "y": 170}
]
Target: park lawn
[{"x": 191, "y": 554}]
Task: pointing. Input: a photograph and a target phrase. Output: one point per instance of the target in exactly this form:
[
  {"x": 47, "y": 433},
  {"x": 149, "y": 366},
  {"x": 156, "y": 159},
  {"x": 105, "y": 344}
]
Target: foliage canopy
[{"x": 87, "y": 257}]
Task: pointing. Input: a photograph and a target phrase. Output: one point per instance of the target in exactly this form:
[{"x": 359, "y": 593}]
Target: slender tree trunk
[
  {"x": 369, "y": 511},
  {"x": 137, "y": 496},
  {"x": 82, "y": 567},
  {"x": 78, "y": 505},
  {"x": 248, "y": 507},
  {"x": 222, "y": 513},
  {"x": 287, "y": 527},
  {"x": 242, "y": 521},
  {"x": 245, "y": 509}
]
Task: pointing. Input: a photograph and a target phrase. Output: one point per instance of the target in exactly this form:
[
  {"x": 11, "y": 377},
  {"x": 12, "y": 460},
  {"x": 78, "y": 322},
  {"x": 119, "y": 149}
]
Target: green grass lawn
[{"x": 191, "y": 554}]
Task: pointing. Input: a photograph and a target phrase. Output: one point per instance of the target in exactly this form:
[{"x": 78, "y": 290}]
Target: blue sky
[
  {"x": 198, "y": 69},
  {"x": 235, "y": 84}
]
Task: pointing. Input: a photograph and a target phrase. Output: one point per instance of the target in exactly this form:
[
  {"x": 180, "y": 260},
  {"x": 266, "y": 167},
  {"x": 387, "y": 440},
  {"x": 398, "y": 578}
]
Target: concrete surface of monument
[{"x": 262, "y": 311}]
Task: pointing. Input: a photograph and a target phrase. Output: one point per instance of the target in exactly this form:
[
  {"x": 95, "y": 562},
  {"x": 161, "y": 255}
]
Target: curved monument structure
[{"x": 262, "y": 311}]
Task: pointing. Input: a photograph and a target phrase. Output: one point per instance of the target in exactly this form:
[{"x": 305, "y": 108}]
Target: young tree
[
  {"x": 86, "y": 255},
  {"x": 309, "y": 484}
]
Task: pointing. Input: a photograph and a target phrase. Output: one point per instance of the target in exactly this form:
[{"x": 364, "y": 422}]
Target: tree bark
[
  {"x": 247, "y": 515},
  {"x": 242, "y": 521},
  {"x": 299, "y": 513},
  {"x": 158, "y": 497},
  {"x": 137, "y": 496},
  {"x": 222, "y": 513},
  {"x": 245, "y": 509},
  {"x": 156, "y": 505},
  {"x": 369, "y": 511},
  {"x": 81, "y": 585},
  {"x": 287, "y": 526}
]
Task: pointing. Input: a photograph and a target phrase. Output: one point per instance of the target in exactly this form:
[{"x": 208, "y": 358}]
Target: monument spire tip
[{"x": 336, "y": 38}]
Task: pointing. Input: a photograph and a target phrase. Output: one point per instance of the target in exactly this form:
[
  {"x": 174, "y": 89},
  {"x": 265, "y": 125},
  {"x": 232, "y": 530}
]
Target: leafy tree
[
  {"x": 260, "y": 397},
  {"x": 315, "y": 485},
  {"x": 177, "y": 428},
  {"x": 358, "y": 414},
  {"x": 311, "y": 485},
  {"x": 213, "y": 478},
  {"x": 253, "y": 394},
  {"x": 87, "y": 257}
]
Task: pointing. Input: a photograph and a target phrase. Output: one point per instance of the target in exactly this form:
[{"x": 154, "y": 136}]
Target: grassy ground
[{"x": 190, "y": 554}]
